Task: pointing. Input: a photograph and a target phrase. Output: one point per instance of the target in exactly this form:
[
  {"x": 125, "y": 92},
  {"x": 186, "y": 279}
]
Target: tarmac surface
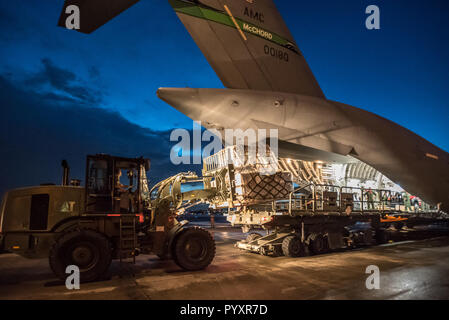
[{"x": 415, "y": 269}]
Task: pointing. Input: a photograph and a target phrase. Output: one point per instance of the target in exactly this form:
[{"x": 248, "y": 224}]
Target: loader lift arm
[{"x": 170, "y": 190}]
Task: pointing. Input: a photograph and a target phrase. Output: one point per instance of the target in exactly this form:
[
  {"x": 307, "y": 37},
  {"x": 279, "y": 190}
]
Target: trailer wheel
[
  {"x": 89, "y": 250},
  {"x": 398, "y": 225},
  {"x": 253, "y": 236},
  {"x": 318, "y": 244},
  {"x": 277, "y": 251},
  {"x": 381, "y": 236},
  {"x": 263, "y": 251},
  {"x": 194, "y": 249},
  {"x": 292, "y": 247},
  {"x": 368, "y": 237}
]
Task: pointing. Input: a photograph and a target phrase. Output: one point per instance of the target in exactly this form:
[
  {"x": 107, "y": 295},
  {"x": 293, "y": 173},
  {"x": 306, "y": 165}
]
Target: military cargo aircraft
[{"x": 270, "y": 86}]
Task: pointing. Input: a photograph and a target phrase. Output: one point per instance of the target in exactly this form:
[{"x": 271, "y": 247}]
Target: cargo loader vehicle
[
  {"x": 301, "y": 208},
  {"x": 114, "y": 216}
]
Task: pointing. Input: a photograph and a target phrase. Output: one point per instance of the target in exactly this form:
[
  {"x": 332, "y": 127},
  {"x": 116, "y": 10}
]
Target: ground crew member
[
  {"x": 348, "y": 209},
  {"x": 370, "y": 195},
  {"x": 407, "y": 202},
  {"x": 386, "y": 200}
]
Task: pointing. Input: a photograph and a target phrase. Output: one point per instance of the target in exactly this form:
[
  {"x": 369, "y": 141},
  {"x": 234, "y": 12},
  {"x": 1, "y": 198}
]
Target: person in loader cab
[
  {"x": 118, "y": 184},
  {"x": 121, "y": 193}
]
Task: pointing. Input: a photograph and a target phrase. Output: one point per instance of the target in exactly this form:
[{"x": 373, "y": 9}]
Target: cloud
[
  {"x": 94, "y": 73},
  {"x": 65, "y": 82},
  {"x": 36, "y": 133}
]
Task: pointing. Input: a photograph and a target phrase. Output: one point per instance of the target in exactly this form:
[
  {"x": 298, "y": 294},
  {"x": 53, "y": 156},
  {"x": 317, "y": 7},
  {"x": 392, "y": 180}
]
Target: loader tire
[
  {"x": 193, "y": 249},
  {"x": 318, "y": 244},
  {"x": 89, "y": 250},
  {"x": 292, "y": 247}
]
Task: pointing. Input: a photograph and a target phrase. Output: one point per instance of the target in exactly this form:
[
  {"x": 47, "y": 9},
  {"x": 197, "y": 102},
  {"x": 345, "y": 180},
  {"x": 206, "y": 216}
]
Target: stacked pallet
[{"x": 255, "y": 187}]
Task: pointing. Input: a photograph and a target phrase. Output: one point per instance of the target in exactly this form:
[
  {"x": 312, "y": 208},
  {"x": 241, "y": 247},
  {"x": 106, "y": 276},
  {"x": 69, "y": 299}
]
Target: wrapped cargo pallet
[{"x": 255, "y": 187}]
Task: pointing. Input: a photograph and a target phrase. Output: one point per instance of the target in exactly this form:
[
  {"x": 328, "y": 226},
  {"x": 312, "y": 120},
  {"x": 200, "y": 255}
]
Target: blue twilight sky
[{"x": 65, "y": 94}]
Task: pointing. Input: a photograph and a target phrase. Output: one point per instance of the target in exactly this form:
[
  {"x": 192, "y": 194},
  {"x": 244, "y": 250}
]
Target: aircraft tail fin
[{"x": 248, "y": 45}]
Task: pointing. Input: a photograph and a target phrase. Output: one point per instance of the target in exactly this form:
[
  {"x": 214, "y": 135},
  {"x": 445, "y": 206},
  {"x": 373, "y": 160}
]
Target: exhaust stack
[{"x": 65, "y": 173}]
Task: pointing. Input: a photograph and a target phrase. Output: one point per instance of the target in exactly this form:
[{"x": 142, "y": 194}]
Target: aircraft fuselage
[{"x": 407, "y": 159}]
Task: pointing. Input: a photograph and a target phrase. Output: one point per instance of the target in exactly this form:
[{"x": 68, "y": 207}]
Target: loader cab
[{"x": 116, "y": 185}]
